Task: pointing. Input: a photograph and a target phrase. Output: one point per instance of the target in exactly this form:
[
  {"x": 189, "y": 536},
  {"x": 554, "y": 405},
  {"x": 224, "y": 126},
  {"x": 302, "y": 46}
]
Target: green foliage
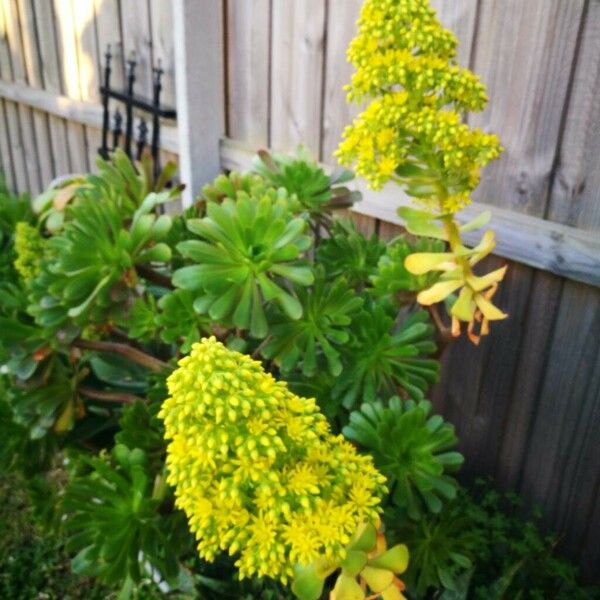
[
  {"x": 383, "y": 357},
  {"x": 131, "y": 183},
  {"x": 91, "y": 262},
  {"x": 305, "y": 181},
  {"x": 349, "y": 253},
  {"x": 34, "y": 565},
  {"x": 140, "y": 319},
  {"x": 412, "y": 448},
  {"x": 235, "y": 186},
  {"x": 13, "y": 210},
  {"x": 512, "y": 544},
  {"x": 392, "y": 276},
  {"x": 178, "y": 321},
  {"x": 441, "y": 548},
  {"x": 140, "y": 427},
  {"x": 45, "y": 402},
  {"x": 18, "y": 451},
  {"x": 482, "y": 547},
  {"x": 250, "y": 245},
  {"x": 312, "y": 341},
  {"x": 121, "y": 533}
]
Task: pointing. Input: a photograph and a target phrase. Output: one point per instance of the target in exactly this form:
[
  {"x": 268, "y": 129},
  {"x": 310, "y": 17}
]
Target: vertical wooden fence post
[{"x": 199, "y": 83}]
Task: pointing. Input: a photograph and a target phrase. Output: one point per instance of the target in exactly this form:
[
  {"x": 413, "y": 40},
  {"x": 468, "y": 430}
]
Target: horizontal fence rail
[{"x": 532, "y": 241}]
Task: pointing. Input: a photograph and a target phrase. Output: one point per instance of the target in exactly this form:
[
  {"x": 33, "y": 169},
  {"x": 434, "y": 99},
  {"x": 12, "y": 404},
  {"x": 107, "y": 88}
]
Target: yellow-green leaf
[
  {"x": 485, "y": 247},
  {"x": 66, "y": 418},
  {"x": 464, "y": 308},
  {"x": 438, "y": 292},
  {"x": 395, "y": 559},
  {"x": 307, "y": 584},
  {"x": 489, "y": 311},
  {"x": 377, "y": 579},
  {"x": 420, "y": 263},
  {"x": 478, "y": 222},
  {"x": 365, "y": 538},
  {"x": 392, "y": 593},
  {"x": 481, "y": 283},
  {"x": 347, "y": 588},
  {"x": 354, "y": 562}
]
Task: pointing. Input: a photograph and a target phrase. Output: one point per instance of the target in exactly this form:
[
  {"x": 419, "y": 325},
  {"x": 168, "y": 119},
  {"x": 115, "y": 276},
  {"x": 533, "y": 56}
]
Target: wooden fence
[{"x": 526, "y": 403}]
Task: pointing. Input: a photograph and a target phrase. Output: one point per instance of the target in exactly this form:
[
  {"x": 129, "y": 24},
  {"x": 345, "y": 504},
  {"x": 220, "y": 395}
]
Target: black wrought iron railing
[{"x": 151, "y": 110}]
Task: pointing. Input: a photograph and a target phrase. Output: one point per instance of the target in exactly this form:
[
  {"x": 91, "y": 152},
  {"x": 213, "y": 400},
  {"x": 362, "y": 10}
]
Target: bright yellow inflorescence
[
  {"x": 257, "y": 470},
  {"x": 29, "y": 248},
  {"x": 405, "y": 64}
]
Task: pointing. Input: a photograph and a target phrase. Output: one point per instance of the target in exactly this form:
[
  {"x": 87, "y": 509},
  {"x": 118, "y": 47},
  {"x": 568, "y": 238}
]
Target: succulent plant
[
  {"x": 327, "y": 311},
  {"x": 122, "y": 530},
  {"x": 248, "y": 248},
  {"x": 91, "y": 262},
  {"x": 368, "y": 565},
  {"x": 235, "y": 185},
  {"x": 349, "y": 253},
  {"x": 178, "y": 322},
  {"x": 313, "y": 190},
  {"x": 383, "y": 358},
  {"x": 256, "y": 468},
  {"x": 412, "y": 448}
]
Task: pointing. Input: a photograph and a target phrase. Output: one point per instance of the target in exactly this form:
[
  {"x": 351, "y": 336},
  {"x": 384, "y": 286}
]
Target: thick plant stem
[
  {"x": 151, "y": 275},
  {"x": 119, "y": 397},
  {"x": 137, "y": 356}
]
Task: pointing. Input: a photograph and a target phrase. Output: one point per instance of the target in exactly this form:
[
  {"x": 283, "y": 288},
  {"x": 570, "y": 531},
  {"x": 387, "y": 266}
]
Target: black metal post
[
  {"x": 142, "y": 138},
  {"x": 117, "y": 129},
  {"x": 129, "y": 105},
  {"x": 157, "y": 87},
  {"x": 103, "y": 150}
]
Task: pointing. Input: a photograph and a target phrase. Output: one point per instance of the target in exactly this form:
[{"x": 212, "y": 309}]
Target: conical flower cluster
[
  {"x": 256, "y": 469},
  {"x": 405, "y": 65},
  {"x": 29, "y": 246}
]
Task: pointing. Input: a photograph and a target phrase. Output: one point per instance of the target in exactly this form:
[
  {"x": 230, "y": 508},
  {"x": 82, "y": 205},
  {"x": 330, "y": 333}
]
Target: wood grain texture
[
  {"x": 248, "y": 70},
  {"x": 13, "y": 120},
  {"x": 137, "y": 43},
  {"x": 524, "y": 53},
  {"x": 575, "y": 198},
  {"x": 33, "y": 77},
  {"x": 87, "y": 61},
  {"x": 163, "y": 48},
  {"x": 107, "y": 19},
  {"x": 52, "y": 80},
  {"x": 71, "y": 83},
  {"x": 337, "y": 112},
  {"x": 567, "y": 413},
  {"x": 15, "y": 70},
  {"x": 298, "y": 37},
  {"x": 6, "y": 164}
]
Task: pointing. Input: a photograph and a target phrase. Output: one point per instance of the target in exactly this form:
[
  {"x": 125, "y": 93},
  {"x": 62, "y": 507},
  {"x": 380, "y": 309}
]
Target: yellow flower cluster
[
  {"x": 29, "y": 248},
  {"x": 405, "y": 62},
  {"x": 257, "y": 470}
]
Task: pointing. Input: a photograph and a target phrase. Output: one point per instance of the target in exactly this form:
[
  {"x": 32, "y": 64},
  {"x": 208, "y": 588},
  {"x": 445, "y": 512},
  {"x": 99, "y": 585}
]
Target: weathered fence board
[
  {"x": 248, "y": 69},
  {"x": 297, "y": 33},
  {"x": 31, "y": 74},
  {"x": 51, "y": 77}
]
